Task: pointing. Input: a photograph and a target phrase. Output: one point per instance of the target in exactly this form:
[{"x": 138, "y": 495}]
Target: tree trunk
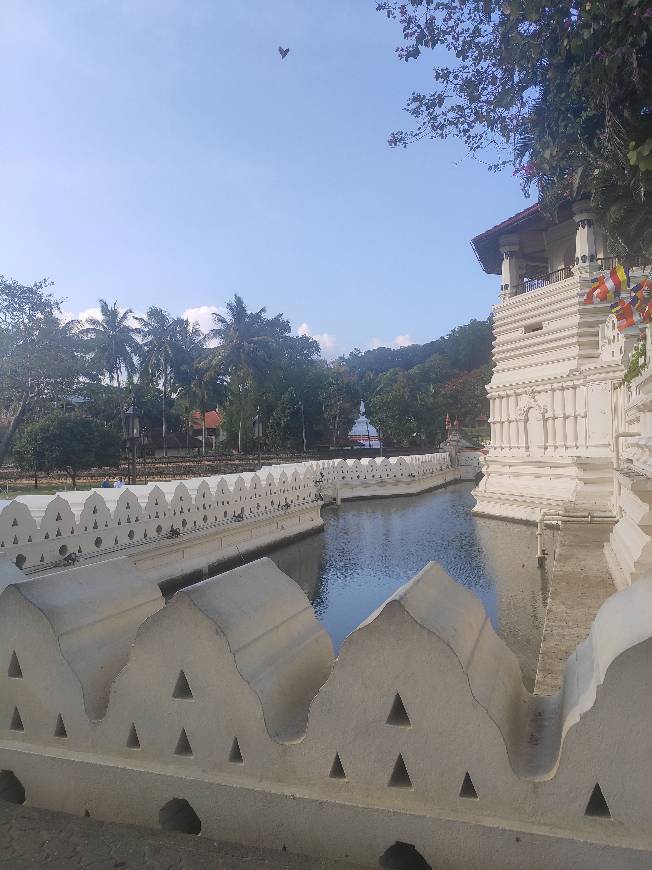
[
  {"x": 164, "y": 429},
  {"x": 16, "y": 420},
  {"x": 203, "y": 423}
]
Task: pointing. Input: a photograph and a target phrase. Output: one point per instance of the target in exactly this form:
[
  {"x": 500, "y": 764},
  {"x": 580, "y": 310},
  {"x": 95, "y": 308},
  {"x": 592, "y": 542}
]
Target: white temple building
[
  {"x": 363, "y": 433},
  {"x": 557, "y": 365}
]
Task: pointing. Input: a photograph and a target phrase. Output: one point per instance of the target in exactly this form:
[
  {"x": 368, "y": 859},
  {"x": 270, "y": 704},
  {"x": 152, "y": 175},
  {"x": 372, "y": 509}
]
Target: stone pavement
[
  {"x": 32, "y": 838},
  {"x": 581, "y": 582}
]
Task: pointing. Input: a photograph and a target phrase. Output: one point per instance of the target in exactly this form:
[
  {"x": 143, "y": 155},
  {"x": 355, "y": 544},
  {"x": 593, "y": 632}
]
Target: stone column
[
  {"x": 585, "y": 254},
  {"x": 513, "y": 425},
  {"x": 550, "y": 421},
  {"x": 571, "y": 412},
  {"x": 511, "y": 266},
  {"x": 507, "y": 441}
]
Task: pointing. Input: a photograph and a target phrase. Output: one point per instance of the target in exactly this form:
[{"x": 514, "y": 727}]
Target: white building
[{"x": 556, "y": 367}]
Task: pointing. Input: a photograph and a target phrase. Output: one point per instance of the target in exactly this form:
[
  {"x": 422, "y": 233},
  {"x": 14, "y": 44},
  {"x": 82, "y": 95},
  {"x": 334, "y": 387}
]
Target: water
[{"x": 370, "y": 548}]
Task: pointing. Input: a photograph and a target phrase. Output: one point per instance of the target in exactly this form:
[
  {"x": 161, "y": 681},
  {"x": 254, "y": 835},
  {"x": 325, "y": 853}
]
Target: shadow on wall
[{"x": 403, "y": 856}]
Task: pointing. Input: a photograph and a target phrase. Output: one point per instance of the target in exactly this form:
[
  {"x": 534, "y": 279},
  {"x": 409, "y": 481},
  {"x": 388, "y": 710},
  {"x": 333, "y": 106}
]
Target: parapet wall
[
  {"x": 231, "y": 713},
  {"x": 213, "y": 514}
]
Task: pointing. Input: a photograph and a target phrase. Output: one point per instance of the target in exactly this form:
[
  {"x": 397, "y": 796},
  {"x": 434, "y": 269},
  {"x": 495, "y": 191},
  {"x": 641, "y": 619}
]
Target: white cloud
[
  {"x": 326, "y": 341},
  {"x": 94, "y": 311},
  {"x": 203, "y": 315},
  {"x": 399, "y": 341},
  {"x": 66, "y": 316}
]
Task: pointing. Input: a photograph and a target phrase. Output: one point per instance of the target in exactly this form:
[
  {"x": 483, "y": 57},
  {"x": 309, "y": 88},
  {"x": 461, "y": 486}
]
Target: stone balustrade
[
  {"x": 223, "y": 711},
  {"x": 38, "y": 532}
]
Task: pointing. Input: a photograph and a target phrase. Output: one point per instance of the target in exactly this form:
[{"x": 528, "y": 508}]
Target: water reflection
[{"x": 370, "y": 548}]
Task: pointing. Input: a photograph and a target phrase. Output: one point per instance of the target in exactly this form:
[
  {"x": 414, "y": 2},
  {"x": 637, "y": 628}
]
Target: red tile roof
[{"x": 213, "y": 419}]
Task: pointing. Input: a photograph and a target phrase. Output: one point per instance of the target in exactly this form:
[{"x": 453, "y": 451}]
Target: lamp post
[{"x": 132, "y": 434}]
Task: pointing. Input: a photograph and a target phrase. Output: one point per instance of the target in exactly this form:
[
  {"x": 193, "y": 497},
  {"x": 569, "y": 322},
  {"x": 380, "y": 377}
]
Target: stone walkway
[
  {"x": 580, "y": 584},
  {"x": 31, "y": 838}
]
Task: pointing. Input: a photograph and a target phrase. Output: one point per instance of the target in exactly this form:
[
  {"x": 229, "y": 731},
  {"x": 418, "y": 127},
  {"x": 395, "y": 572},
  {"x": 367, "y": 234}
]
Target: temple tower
[{"x": 551, "y": 392}]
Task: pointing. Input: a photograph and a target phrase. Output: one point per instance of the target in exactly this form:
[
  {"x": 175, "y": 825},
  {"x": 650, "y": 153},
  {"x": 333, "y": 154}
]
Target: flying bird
[{"x": 283, "y": 52}]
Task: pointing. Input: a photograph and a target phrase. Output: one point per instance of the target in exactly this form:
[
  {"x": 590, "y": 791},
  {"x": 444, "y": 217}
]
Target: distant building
[
  {"x": 363, "y": 433},
  {"x": 213, "y": 421}
]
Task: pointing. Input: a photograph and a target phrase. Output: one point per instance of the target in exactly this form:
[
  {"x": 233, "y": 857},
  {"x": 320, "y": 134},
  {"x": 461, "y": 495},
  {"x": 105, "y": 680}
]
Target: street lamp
[{"x": 132, "y": 434}]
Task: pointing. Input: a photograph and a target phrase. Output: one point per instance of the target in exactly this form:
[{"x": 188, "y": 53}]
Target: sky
[{"x": 160, "y": 152}]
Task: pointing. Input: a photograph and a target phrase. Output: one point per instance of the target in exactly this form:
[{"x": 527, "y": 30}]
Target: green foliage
[
  {"x": 284, "y": 427},
  {"x": 559, "y": 88},
  {"x": 41, "y": 358},
  {"x": 114, "y": 347},
  {"x": 637, "y": 363},
  {"x": 464, "y": 348},
  {"x": 66, "y": 442},
  {"x": 255, "y": 365}
]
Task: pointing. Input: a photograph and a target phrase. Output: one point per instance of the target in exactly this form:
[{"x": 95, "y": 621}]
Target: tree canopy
[
  {"x": 250, "y": 365},
  {"x": 559, "y": 88}
]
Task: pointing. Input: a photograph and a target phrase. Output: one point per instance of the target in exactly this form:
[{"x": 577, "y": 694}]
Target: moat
[{"x": 370, "y": 548}]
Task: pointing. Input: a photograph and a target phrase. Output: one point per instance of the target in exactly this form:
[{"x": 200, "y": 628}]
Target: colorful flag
[
  {"x": 606, "y": 288},
  {"x": 625, "y": 314}
]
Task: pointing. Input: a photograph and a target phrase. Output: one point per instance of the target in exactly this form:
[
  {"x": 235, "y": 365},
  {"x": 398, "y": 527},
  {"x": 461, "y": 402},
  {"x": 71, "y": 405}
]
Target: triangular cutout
[
  {"x": 398, "y": 714},
  {"x": 182, "y": 688},
  {"x": 132, "y": 740},
  {"x": 60, "y": 728},
  {"x": 235, "y": 756},
  {"x": 337, "y": 768},
  {"x": 14, "y": 669},
  {"x": 87, "y": 814},
  {"x": 183, "y": 744},
  {"x": 16, "y": 721},
  {"x": 597, "y": 805},
  {"x": 468, "y": 789},
  {"x": 400, "y": 778}
]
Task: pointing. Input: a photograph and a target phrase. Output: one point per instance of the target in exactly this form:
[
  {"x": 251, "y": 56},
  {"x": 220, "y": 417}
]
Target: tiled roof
[{"x": 213, "y": 419}]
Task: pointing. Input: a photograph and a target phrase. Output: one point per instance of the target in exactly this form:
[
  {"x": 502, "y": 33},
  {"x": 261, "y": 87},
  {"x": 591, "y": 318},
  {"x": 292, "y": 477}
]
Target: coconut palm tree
[
  {"x": 160, "y": 336},
  {"x": 114, "y": 344},
  {"x": 248, "y": 350}
]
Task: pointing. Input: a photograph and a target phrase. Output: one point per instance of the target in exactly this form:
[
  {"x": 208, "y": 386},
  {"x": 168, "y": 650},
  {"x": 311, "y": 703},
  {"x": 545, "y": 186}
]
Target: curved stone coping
[
  {"x": 621, "y": 624},
  {"x": 278, "y": 645},
  {"x": 94, "y": 613}
]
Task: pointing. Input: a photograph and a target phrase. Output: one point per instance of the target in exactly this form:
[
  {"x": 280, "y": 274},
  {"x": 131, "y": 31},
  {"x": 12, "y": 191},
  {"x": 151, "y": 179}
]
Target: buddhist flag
[
  {"x": 607, "y": 287},
  {"x": 624, "y": 313}
]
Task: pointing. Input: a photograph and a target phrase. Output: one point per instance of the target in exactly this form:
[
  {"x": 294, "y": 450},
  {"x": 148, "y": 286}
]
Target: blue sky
[{"x": 161, "y": 152}]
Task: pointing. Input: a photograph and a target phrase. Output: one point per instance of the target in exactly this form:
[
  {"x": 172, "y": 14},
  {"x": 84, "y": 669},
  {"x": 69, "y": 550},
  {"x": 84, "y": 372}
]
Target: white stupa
[{"x": 362, "y": 431}]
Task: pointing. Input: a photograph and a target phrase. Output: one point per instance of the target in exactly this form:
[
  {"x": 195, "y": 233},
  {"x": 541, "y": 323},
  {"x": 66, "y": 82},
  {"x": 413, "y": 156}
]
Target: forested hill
[
  {"x": 465, "y": 348},
  {"x": 410, "y": 390}
]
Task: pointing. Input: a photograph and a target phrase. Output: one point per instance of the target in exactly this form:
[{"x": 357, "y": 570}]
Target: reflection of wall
[
  {"x": 302, "y": 562},
  {"x": 510, "y": 555}
]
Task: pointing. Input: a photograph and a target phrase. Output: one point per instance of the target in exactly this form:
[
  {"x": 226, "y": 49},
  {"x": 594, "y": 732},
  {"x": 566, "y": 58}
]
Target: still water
[{"x": 370, "y": 548}]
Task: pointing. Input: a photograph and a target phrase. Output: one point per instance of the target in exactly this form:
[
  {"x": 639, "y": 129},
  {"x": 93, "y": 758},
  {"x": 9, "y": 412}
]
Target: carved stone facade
[{"x": 551, "y": 392}]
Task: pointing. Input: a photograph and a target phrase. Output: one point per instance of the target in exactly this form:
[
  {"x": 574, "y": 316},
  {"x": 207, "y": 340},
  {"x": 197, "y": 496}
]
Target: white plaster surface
[{"x": 251, "y": 740}]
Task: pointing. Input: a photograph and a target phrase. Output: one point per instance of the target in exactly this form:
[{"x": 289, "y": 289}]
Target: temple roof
[{"x": 528, "y": 224}]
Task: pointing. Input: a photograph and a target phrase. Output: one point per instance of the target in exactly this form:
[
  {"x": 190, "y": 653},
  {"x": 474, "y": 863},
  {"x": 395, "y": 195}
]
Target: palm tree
[
  {"x": 160, "y": 335},
  {"x": 115, "y": 346},
  {"x": 248, "y": 347}
]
